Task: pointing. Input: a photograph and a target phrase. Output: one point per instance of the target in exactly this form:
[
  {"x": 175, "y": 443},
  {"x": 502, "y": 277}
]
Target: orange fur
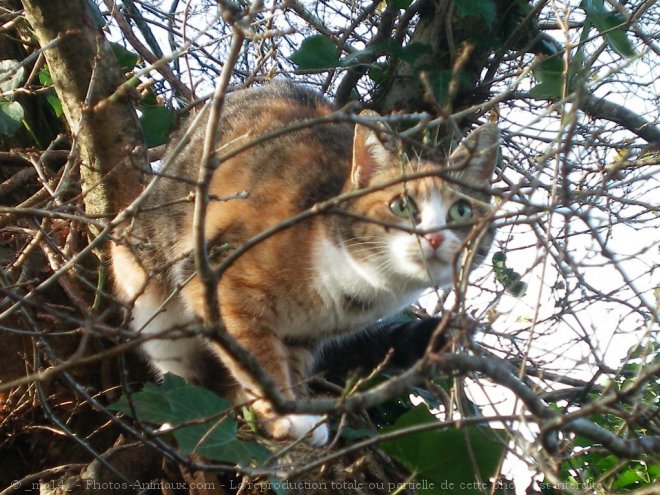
[{"x": 325, "y": 276}]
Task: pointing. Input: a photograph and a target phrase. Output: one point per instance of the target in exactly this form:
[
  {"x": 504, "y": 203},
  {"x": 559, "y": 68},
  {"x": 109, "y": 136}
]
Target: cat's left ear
[
  {"x": 476, "y": 156},
  {"x": 370, "y": 154}
]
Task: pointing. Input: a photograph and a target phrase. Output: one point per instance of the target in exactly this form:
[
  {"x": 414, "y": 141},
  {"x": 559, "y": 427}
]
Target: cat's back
[
  {"x": 277, "y": 146},
  {"x": 267, "y": 121},
  {"x": 288, "y": 144}
]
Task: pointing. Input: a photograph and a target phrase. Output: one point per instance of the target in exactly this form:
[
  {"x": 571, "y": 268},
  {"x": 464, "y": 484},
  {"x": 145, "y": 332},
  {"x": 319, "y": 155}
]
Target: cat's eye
[
  {"x": 404, "y": 206},
  {"x": 460, "y": 212}
]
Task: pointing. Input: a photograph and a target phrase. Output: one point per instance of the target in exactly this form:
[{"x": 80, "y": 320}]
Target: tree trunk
[{"x": 96, "y": 104}]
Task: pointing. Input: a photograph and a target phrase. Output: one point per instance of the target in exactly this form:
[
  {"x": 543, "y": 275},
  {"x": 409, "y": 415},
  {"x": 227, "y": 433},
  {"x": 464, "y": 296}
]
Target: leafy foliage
[
  {"x": 11, "y": 112},
  {"x": 157, "y": 120},
  {"x": 440, "y": 457},
  {"x": 589, "y": 464},
  {"x": 475, "y": 8},
  {"x": 509, "y": 278},
  {"x": 611, "y": 25},
  {"x": 199, "y": 420},
  {"x": 576, "y": 178},
  {"x": 316, "y": 52}
]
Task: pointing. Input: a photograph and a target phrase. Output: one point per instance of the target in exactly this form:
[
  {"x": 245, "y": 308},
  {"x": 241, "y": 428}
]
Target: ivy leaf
[
  {"x": 402, "y": 4},
  {"x": 193, "y": 412},
  {"x": 54, "y": 102},
  {"x": 550, "y": 76},
  {"x": 443, "y": 474},
  {"x": 51, "y": 96},
  {"x": 439, "y": 80},
  {"x": 510, "y": 279},
  {"x": 474, "y": 8},
  {"x": 316, "y": 52},
  {"x": 11, "y": 75},
  {"x": 44, "y": 77},
  {"x": 352, "y": 59},
  {"x": 629, "y": 477},
  {"x": 126, "y": 58},
  {"x": 413, "y": 51},
  {"x": 97, "y": 16},
  {"x": 409, "y": 53},
  {"x": 378, "y": 73},
  {"x": 611, "y": 25},
  {"x": 157, "y": 123},
  {"x": 11, "y": 117}
]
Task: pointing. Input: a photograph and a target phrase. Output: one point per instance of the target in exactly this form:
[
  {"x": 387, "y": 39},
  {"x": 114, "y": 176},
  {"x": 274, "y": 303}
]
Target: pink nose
[{"x": 435, "y": 239}]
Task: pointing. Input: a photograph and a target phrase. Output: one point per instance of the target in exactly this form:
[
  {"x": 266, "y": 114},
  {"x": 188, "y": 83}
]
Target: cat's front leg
[
  {"x": 273, "y": 356},
  {"x": 248, "y": 317},
  {"x": 301, "y": 357}
]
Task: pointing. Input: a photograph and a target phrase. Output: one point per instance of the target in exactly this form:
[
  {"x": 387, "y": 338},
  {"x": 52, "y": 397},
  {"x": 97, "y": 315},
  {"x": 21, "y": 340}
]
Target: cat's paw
[{"x": 295, "y": 426}]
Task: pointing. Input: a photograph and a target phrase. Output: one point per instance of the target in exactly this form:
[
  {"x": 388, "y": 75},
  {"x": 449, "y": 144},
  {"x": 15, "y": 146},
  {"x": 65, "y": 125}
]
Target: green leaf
[
  {"x": 353, "y": 58},
  {"x": 157, "y": 123},
  {"x": 127, "y": 59},
  {"x": 607, "y": 463},
  {"x": 440, "y": 458},
  {"x": 615, "y": 37},
  {"x": 550, "y": 75},
  {"x": 96, "y": 14},
  {"x": 439, "y": 80},
  {"x": 630, "y": 477},
  {"x": 316, "y": 52},
  {"x": 475, "y": 8},
  {"x": 547, "y": 90},
  {"x": 402, "y": 4},
  {"x": 611, "y": 25},
  {"x": 378, "y": 73},
  {"x": 193, "y": 412},
  {"x": 277, "y": 486},
  {"x": 54, "y": 102},
  {"x": 11, "y": 75},
  {"x": 410, "y": 53},
  {"x": 509, "y": 278},
  {"x": 44, "y": 77},
  {"x": 11, "y": 117}
]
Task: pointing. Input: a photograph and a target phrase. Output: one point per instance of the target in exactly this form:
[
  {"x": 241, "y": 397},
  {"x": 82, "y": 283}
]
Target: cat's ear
[
  {"x": 370, "y": 154},
  {"x": 476, "y": 156}
]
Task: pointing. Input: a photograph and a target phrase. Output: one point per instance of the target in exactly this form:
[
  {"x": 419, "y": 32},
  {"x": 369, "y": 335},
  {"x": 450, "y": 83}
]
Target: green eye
[
  {"x": 460, "y": 212},
  {"x": 403, "y": 206}
]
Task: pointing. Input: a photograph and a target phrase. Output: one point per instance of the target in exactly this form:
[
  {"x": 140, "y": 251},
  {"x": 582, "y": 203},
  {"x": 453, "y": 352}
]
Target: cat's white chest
[{"x": 354, "y": 294}]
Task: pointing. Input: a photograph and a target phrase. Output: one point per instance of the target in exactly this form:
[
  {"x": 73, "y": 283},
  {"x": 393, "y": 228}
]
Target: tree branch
[{"x": 600, "y": 108}]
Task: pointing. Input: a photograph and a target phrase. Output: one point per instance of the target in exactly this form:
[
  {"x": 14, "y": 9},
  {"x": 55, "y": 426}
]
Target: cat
[{"x": 317, "y": 280}]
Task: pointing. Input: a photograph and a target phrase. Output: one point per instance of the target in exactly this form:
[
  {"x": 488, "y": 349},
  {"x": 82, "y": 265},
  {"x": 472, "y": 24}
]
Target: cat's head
[{"x": 422, "y": 227}]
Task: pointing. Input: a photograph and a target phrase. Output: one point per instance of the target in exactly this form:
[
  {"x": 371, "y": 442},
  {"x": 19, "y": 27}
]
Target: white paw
[{"x": 295, "y": 426}]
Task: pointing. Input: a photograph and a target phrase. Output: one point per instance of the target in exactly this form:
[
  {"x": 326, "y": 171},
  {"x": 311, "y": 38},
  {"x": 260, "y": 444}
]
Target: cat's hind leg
[{"x": 168, "y": 327}]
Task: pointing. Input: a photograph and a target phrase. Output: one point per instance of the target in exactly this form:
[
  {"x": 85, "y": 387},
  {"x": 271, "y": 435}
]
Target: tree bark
[{"x": 99, "y": 111}]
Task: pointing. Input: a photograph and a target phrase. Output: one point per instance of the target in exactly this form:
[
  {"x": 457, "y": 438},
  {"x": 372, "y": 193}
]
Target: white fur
[
  {"x": 436, "y": 268},
  {"x": 167, "y": 355},
  {"x": 339, "y": 274},
  {"x": 407, "y": 266},
  {"x": 300, "y": 425}
]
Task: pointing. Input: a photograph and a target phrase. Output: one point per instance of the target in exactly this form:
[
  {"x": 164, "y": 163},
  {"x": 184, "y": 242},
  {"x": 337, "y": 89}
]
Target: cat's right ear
[{"x": 370, "y": 154}]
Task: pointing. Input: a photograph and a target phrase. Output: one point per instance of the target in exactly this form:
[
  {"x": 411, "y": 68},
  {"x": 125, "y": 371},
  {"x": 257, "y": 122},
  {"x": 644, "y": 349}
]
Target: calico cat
[{"x": 317, "y": 280}]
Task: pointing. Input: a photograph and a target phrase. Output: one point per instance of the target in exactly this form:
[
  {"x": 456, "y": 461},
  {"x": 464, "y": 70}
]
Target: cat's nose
[{"x": 435, "y": 239}]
